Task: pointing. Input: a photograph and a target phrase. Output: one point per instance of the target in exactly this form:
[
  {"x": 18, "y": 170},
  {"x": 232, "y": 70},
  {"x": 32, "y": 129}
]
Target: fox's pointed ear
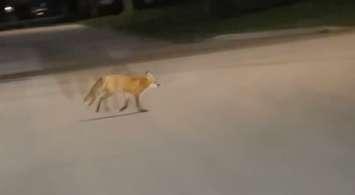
[{"x": 149, "y": 74}]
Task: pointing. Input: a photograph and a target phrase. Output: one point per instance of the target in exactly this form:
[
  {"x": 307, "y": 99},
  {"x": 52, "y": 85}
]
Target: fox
[{"x": 134, "y": 85}]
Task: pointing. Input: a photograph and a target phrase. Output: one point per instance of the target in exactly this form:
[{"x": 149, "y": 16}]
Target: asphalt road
[
  {"x": 43, "y": 48},
  {"x": 270, "y": 120}
]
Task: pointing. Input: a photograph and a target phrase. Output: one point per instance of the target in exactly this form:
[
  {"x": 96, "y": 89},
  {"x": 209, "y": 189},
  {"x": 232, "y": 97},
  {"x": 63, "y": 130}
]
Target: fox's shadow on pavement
[{"x": 111, "y": 116}]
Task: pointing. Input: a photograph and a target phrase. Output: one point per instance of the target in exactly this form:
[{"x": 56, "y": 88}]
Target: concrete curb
[
  {"x": 218, "y": 43},
  {"x": 31, "y": 22},
  {"x": 281, "y": 33}
]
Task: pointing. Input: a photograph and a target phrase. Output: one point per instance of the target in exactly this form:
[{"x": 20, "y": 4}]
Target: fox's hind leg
[
  {"x": 102, "y": 98},
  {"x": 126, "y": 101},
  {"x": 92, "y": 100}
]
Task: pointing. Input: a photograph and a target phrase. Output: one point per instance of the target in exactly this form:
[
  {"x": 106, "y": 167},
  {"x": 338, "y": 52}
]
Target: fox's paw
[{"x": 143, "y": 110}]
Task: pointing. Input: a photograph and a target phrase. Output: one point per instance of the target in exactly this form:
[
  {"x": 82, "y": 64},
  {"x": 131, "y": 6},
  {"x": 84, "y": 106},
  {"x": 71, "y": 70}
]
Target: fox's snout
[{"x": 155, "y": 85}]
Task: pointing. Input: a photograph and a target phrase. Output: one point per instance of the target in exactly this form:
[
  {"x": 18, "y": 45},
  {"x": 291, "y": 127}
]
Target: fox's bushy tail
[{"x": 91, "y": 96}]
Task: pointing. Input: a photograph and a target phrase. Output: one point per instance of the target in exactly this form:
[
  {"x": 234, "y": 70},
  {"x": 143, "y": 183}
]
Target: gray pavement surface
[
  {"x": 67, "y": 46},
  {"x": 270, "y": 120},
  {"x": 53, "y": 49}
]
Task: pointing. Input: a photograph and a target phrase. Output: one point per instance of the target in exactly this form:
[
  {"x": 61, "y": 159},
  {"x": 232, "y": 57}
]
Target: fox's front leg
[
  {"x": 126, "y": 101},
  {"x": 138, "y": 104}
]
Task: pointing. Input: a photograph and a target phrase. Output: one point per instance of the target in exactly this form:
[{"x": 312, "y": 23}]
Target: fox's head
[{"x": 153, "y": 82}]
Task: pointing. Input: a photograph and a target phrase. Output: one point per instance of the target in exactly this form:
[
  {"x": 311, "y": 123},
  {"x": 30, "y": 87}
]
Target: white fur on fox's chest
[{"x": 151, "y": 86}]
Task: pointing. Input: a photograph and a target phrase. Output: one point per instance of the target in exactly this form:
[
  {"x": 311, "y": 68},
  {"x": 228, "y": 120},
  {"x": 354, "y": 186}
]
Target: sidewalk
[{"x": 47, "y": 50}]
